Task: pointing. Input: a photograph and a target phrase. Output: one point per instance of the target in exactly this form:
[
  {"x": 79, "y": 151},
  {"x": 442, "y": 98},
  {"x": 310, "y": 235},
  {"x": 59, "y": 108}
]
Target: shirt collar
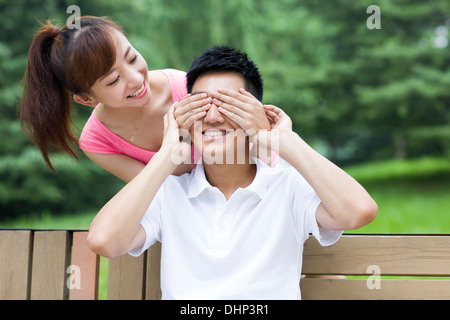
[
  {"x": 259, "y": 185},
  {"x": 198, "y": 182}
]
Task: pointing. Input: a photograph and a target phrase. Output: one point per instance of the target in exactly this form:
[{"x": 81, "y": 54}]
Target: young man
[{"x": 230, "y": 229}]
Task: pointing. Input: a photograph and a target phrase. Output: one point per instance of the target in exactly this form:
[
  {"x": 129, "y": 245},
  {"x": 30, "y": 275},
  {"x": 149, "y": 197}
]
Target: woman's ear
[{"x": 85, "y": 99}]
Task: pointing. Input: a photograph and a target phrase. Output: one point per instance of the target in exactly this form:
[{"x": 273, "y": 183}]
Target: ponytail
[
  {"x": 61, "y": 61},
  {"x": 45, "y": 113}
]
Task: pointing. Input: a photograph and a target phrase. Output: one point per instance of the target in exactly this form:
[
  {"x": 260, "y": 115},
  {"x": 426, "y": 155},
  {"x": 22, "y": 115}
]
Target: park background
[{"x": 374, "y": 101}]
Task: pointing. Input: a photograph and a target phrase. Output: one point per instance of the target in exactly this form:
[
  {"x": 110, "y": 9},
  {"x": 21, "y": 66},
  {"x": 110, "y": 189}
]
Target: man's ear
[{"x": 85, "y": 99}]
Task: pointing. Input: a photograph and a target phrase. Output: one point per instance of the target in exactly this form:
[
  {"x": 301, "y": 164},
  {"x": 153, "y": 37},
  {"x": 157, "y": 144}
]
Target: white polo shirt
[{"x": 249, "y": 247}]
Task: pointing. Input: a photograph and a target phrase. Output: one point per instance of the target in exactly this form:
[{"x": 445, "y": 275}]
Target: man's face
[{"x": 219, "y": 139}]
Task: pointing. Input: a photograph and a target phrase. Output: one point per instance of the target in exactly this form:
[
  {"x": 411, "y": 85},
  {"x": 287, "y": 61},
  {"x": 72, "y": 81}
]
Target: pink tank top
[{"x": 97, "y": 138}]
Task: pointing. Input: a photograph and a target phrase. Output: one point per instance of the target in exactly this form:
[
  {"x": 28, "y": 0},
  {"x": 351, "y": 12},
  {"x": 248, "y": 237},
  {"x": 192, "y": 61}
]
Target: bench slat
[
  {"x": 15, "y": 261},
  {"x": 51, "y": 257},
  {"x": 87, "y": 265},
  {"x": 394, "y": 255},
  {"x": 357, "y": 289},
  {"x": 126, "y": 277},
  {"x": 153, "y": 280}
]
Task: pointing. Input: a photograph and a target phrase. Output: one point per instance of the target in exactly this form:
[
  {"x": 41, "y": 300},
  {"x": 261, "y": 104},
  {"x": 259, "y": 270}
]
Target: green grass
[
  {"x": 46, "y": 220},
  {"x": 412, "y": 197},
  {"x": 410, "y": 208}
]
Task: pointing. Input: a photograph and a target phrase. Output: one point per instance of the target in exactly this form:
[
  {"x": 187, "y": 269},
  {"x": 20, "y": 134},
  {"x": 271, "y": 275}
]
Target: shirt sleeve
[
  {"x": 305, "y": 202},
  {"x": 151, "y": 223}
]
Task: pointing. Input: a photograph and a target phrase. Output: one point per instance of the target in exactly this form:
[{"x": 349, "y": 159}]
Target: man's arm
[
  {"x": 116, "y": 229},
  {"x": 345, "y": 203}
]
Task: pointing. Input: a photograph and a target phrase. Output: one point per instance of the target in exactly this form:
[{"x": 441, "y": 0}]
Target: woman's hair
[{"x": 61, "y": 61}]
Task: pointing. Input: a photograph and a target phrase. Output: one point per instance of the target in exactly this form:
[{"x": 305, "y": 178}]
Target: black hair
[{"x": 223, "y": 58}]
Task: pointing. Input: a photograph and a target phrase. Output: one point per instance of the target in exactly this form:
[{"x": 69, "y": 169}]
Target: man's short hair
[{"x": 223, "y": 58}]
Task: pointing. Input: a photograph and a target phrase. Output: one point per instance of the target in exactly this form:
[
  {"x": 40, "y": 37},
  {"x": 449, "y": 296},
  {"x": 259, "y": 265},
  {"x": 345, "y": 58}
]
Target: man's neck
[{"x": 229, "y": 177}]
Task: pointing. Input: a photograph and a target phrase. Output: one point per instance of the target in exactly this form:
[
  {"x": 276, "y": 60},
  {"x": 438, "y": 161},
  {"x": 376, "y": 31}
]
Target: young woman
[{"x": 98, "y": 65}]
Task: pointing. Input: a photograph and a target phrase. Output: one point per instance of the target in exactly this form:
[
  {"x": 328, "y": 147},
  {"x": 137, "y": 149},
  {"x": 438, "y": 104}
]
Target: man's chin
[{"x": 211, "y": 155}]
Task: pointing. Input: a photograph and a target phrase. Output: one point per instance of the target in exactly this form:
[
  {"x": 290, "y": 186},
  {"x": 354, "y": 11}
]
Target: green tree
[{"x": 354, "y": 93}]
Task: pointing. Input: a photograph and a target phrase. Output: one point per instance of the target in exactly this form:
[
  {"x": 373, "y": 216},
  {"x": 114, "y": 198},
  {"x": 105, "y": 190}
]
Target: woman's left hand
[{"x": 243, "y": 109}]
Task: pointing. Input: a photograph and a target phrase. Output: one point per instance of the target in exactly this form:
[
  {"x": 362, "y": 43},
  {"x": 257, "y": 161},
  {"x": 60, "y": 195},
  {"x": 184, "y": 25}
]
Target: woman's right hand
[
  {"x": 175, "y": 143},
  {"x": 192, "y": 108}
]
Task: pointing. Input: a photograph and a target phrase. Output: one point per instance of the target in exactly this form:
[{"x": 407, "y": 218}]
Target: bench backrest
[
  {"x": 58, "y": 265},
  {"x": 388, "y": 266},
  {"x": 40, "y": 265}
]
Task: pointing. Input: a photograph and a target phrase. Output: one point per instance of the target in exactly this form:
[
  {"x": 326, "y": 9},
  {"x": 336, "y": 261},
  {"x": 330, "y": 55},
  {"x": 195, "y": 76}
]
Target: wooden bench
[{"x": 58, "y": 265}]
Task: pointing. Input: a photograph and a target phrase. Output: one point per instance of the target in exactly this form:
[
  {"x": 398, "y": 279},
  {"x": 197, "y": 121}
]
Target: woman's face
[{"x": 126, "y": 84}]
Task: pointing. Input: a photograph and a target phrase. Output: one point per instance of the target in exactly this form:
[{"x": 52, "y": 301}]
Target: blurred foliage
[{"x": 355, "y": 94}]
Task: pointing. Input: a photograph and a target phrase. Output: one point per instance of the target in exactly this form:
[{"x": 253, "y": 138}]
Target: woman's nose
[
  {"x": 135, "y": 80},
  {"x": 134, "y": 77}
]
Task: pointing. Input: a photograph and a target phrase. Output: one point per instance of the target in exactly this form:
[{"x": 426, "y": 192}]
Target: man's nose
[{"x": 213, "y": 115}]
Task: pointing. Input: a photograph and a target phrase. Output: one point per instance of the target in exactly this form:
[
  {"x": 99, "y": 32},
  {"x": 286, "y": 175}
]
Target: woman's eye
[
  {"x": 110, "y": 84},
  {"x": 134, "y": 59}
]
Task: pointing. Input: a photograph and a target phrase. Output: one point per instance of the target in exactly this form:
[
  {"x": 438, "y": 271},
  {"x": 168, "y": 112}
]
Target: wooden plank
[
  {"x": 358, "y": 289},
  {"x": 393, "y": 255},
  {"x": 153, "y": 278},
  {"x": 51, "y": 256},
  {"x": 15, "y": 264},
  {"x": 83, "y": 280},
  {"x": 126, "y": 276}
]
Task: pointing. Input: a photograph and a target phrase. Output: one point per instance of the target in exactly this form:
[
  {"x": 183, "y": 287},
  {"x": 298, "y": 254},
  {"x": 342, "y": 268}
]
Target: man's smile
[{"x": 215, "y": 134}]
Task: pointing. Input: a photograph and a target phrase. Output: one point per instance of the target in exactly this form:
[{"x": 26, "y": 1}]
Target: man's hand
[
  {"x": 267, "y": 142},
  {"x": 243, "y": 109},
  {"x": 278, "y": 118}
]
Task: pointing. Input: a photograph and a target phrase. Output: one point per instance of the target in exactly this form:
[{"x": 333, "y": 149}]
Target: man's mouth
[
  {"x": 213, "y": 134},
  {"x": 139, "y": 92}
]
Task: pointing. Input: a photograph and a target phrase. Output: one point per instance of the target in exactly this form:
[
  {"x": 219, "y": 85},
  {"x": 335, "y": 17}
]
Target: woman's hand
[
  {"x": 176, "y": 142},
  {"x": 192, "y": 108},
  {"x": 243, "y": 109}
]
